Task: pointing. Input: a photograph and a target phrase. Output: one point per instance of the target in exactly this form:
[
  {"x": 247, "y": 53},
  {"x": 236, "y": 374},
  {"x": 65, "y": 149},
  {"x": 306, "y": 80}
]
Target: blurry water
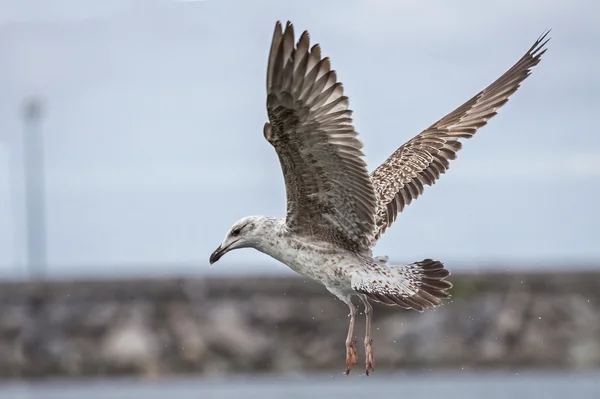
[{"x": 380, "y": 386}]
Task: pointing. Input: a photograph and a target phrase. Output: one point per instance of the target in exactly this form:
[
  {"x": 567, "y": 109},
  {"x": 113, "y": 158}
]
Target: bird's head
[{"x": 243, "y": 234}]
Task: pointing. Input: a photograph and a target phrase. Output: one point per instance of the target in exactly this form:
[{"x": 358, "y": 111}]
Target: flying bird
[{"x": 336, "y": 210}]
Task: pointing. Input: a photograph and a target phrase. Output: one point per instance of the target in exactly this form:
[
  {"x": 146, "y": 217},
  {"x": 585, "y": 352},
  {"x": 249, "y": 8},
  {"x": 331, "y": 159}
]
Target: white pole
[{"x": 35, "y": 201}]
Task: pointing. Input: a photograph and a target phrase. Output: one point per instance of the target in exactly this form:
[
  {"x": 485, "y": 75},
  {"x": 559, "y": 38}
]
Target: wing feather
[
  {"x": 329, "y": 192},
  {"x": 424, "y": 158}
]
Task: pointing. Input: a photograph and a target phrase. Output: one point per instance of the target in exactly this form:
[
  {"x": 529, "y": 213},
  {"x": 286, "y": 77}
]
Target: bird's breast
[{"x": 318, "y": 261}]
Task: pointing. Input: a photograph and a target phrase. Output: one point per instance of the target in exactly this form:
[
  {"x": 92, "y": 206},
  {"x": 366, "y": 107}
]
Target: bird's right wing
[
  {"x": 329, "y": 192},
  {"x": 421, "y": 161}
]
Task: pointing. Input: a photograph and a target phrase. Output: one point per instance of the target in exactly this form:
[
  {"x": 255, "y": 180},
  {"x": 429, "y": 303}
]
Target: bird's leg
[
  {"x": 369, "y": 359},
  {"x": 351, "y": 355}
]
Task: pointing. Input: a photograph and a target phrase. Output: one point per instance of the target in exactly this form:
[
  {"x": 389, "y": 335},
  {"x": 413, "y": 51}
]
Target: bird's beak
[
  {"x": 219, "y": 252},
  {"x": 222, "y": 250}
]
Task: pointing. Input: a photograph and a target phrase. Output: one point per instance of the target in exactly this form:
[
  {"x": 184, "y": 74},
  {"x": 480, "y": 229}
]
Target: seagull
[{"x": 336, "y": 210}]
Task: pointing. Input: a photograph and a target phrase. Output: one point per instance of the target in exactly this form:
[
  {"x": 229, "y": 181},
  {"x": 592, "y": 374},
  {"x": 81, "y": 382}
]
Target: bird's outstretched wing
[
  {"x": 421, "y": 161},
  {"x": 329, "y": 192}
]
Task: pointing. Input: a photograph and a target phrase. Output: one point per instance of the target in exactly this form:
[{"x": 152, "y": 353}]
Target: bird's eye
[{"x": 236, "y": 232}]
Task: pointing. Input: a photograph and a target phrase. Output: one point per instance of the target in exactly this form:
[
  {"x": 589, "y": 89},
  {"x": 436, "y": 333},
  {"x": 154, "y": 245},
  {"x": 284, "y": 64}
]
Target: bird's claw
[
  {"x": 369, "y": 359},
  {"x": 351, "y": 357}
]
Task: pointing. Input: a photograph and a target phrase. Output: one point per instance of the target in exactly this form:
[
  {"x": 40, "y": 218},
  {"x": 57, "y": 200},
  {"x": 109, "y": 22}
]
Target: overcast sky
[{"x": 154, "y": 114}]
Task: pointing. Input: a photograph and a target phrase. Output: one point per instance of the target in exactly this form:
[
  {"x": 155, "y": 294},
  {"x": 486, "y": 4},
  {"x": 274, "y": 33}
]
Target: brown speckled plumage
[
  {"x": 336, "y": 211},
  {"x": 421, "y": 160},
  {"x": 417, "y": 286},
  {"x": 328, "y": 188}
]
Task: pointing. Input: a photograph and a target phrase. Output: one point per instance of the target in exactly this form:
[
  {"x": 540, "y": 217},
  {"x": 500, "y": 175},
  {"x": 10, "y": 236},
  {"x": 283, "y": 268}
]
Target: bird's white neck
[
  {"x": 272, "y": 237},
  {"x": 297, "y": 252}
]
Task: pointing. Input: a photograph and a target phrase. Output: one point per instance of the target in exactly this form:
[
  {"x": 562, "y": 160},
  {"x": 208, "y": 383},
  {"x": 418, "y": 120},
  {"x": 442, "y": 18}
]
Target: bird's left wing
[
  {"x": 329, "y": 192},
  {"x": 421, "y": 161}
]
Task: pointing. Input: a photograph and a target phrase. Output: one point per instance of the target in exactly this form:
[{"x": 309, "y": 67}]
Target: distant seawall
[{"x": 225, "y": 325}]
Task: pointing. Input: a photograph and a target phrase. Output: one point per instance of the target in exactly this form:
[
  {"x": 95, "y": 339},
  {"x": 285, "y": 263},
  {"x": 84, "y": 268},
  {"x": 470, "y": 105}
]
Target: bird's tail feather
[{"x": 419, "y": 286}]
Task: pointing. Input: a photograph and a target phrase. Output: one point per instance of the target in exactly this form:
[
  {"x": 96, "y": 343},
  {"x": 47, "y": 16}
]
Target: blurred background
[{"x": 131, "y": 140}]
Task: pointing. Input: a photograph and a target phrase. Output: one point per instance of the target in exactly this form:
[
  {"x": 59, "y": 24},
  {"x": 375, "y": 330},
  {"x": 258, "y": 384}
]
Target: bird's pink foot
[
  {"x": 369, "y": 359},
  {"x": 351, "y": 357}
]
